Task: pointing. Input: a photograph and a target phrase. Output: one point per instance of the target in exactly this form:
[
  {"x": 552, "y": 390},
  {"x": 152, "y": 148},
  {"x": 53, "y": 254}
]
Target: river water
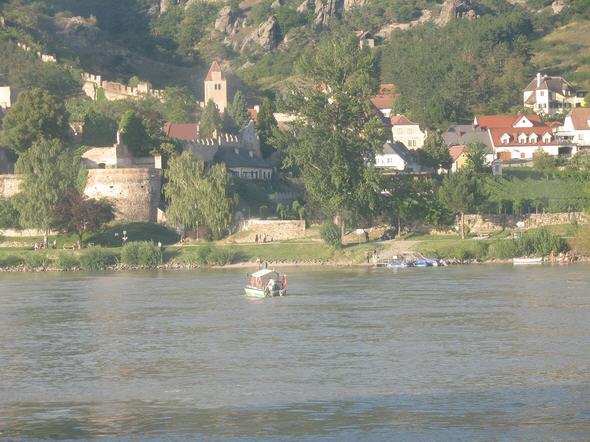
[{"x": 459, "y": 353}]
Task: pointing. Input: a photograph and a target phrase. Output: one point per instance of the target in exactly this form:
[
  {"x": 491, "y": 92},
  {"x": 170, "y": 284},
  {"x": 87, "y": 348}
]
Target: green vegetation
[
  {"x": 447, "y": 74},
  {"x": 141, "y": 253},
  {"x": 35, "y": 115},
  {"x": 331, "y": 234},
  {"x": 134, "y": 134},
  {"x": 68, "y": 261},
  {"x": 112, "y": 237},
  {"x": 9, "y": 217},
  {"x": 198, "y": 196},
  {"x": 97, "y": 258},
  {"x": 211, "y": 122}
]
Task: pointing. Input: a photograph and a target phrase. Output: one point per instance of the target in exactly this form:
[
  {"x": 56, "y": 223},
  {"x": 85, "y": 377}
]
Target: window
[
  {"x": 541, "y": 93},
  {"x": 522, "y": 155},
  {"x": 522, "y": 138},
  {"x": 546, "y": 138},
  {"x": 389, "y": 160},
  {"x": 533, "y": 138}
]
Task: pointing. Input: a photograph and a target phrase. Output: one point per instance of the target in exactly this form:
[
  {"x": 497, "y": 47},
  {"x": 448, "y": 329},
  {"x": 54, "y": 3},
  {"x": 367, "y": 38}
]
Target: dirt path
[{"x": 393, "y": 248}]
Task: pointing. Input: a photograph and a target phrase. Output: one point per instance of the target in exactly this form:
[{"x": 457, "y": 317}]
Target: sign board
[
  {"x": 520, "y": 224},
  {"x": 360, "y": 232}
]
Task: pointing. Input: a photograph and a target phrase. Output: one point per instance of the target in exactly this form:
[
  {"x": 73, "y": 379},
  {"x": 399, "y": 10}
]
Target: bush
[
  {"x": 330, "y": 233},
  {"x": 35, "y": 261},
  {"x": 503, "y": 249},
  {"x": 221, "y": 256},
  {"x": 141, "y": 253},
  {"x": 9, "y": 217},
  {"x": 67, "y": 261},
  {"x": 11, "y": 261},
  {"x": 97, "y": 259},
  {"x": 539, "y": 242}
]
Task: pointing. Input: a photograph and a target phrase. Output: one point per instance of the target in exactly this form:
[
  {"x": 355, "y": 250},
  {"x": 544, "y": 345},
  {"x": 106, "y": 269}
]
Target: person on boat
[{"x": 284, "y": 281}]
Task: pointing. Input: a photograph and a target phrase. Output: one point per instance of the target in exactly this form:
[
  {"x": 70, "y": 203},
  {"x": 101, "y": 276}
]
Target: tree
[
  {"x": 134, "y": 133},
  {"x": 460, "y": 193},
  {"x": 543, "y": 161},
  {"x": 98, "y": 129},
  {"x": 80, "y": 214},
  {"x": 435, "y": 153},
  {"x": 211, "y": 123},
  {"x": 238, "y": 111},
  {"x": 196, "y": 196},
  {"x": 49, "y": 172},
  {"x": 337, "y": 133},
  {"x": 35, "y": 115},
  {"x": 265, "y": 124},
  {"x": 476, "y": 157},
  {"x": 179, "y": 105}
]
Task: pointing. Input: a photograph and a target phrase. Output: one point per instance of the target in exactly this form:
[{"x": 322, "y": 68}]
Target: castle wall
[
  {"x": 491, "y": 223},
  {"x": 134, "y": 193},
  {"x": 9, "y": 185},
  {"x": 273, "y": 229}
]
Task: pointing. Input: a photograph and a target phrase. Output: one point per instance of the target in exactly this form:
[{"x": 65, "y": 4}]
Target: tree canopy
[
  {"x": 49, "y": 173},
  {"x": 35, "y": 115},
  {"x": 238, "y": 111},
  {"x": 336, "y": 134},
  {"x": 134, "y": 133},
  {"x": 265, "y": 125},
  {"x": 198, "y": 196},
  {"x": 211, "y": 122}
]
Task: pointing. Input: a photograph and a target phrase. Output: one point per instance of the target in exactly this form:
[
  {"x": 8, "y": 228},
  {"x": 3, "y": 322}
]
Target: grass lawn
[{"x": 111, "y": 237}]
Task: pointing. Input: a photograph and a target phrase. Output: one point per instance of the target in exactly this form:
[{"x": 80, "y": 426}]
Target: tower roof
[{"x": 214, "y": 68}]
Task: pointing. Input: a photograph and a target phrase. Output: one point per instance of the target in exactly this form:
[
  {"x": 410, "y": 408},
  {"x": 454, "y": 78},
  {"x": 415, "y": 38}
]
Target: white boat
[
  {"x": 266, "y": 283},
  {"x": 527, "y": 261}
]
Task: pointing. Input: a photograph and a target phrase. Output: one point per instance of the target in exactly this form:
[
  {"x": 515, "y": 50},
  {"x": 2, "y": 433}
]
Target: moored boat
[
  {"x": 527, "y": 261},
  {"x": 266, "y": 283}
]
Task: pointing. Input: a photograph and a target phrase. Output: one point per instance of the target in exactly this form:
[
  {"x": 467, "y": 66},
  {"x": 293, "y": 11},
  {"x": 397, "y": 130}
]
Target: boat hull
[
  {"x": 255, "y": 292},
  {"x": 527, "y": 261}
]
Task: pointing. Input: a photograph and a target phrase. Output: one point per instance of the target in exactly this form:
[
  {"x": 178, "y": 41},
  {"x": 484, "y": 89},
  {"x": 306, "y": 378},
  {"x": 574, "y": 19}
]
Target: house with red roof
[
  {"x": 576, "y": 128},
  {"x": 518, "y": 137},
  {"x": 407, "y": 132},
  {"x": 383, "y": 101}
]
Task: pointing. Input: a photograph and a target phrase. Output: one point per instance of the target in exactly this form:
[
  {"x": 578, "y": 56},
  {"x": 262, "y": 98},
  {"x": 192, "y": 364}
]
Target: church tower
[{"x": 216, "y": 87}]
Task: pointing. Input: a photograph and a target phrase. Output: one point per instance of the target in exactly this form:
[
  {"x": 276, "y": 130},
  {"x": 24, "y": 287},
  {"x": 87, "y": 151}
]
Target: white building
[
  {"x": 397, "y": 157},
  {"x": 552, "y": 95},
  {"x": 576, "y": 127},
  {"x": 407, "y": 132}
]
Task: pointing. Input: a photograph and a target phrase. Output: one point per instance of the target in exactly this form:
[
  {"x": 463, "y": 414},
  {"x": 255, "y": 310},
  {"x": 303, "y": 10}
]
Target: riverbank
[{"x": 309, "y": 252}]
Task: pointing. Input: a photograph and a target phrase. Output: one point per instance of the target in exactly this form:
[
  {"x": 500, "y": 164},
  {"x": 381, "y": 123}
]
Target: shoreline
[{"x": 252, "y": 265}]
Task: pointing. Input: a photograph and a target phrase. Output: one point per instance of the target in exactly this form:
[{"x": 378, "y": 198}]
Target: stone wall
[
  {"x": 9, "y": 185},
  {"x": 273, "y": 229},
  {"x": 134, "y": 193},
  {"x": 491, "y": 223}
]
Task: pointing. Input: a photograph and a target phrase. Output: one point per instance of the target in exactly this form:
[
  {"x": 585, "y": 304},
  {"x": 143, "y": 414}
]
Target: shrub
[
  {"x": 97, "y": 259},
  {"x": 67, "y": 261},
  {"x": 9, "y": 217},
  {"x": 35, "y": 261},
  {"x": 221, "y": 256},
  {"x": 141, "y": 253},
  {"x": 541, "y": 242},
  {"x": 330, "y": 233},
  {"x": 11, "y": 261},
  {"x": 503, "y": 249}
]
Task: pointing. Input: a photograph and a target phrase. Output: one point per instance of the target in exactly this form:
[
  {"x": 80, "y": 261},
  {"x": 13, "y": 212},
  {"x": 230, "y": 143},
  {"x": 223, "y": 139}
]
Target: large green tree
[
  {"x": 461, "y": 192},
  {"x": 197, "y": 196},
  {"x": 35, "y": 115},
  {"x": 49, "y": 172},
  {"x": 179, "y": 105},
  {"x": 265, "y": 125},
  {"x": 238, "y": 111},
  {"x": 476, "y": 157},
  {"x": 211, "y": 122},
  {"x": 435, "y": 153},
  {"x": 337, "y": 134},
  {"x": 134, "y": 133}
]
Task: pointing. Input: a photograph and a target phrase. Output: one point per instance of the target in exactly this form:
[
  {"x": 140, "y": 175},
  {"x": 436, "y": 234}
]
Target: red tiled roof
[
  {"x": 456, "y": 151},
  {"x": 387, "y": 88},
  {"x": 384, "y": 99},
  {"x": 494, "y": 121},
  {"x": 497, "y": 133},
  {"x": 401, "y": 120},
  {"x": 186, "y": 132},
  {"x": 214, "y": 68},
  {"x": 581, "y": 118}
]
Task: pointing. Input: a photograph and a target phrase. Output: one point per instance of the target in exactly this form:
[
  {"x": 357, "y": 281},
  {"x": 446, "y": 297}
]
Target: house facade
[
  {"x": 518, "y": 137},
  {"x": 576, "y": 128},
  {"x": 407, "y": 132},
  {"x": 552, "y": 95},
  {"x": 396, "y": 156},
  {"x": 464, "y": 134}
]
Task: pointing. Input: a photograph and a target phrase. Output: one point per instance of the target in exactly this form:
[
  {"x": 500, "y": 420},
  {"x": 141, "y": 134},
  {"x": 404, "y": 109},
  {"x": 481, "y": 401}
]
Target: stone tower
[{"x": 216, "y": 87}]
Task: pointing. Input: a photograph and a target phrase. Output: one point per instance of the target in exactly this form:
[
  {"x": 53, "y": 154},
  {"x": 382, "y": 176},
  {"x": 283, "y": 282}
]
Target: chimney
[
  {"x": 538, "y": 79},
  {"x": 118, "y": 137}
]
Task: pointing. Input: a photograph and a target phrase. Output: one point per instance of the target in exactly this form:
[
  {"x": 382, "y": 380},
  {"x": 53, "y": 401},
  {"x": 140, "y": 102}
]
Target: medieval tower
[{"x": 216, "y": 87}]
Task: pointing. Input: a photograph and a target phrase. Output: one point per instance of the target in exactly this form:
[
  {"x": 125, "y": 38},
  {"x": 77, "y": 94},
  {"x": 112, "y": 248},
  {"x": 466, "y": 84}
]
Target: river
[{"x": 482, "y": 352}]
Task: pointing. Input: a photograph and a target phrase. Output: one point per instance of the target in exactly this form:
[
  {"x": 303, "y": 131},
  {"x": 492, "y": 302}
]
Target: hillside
[{"x": 172, "y": 42}]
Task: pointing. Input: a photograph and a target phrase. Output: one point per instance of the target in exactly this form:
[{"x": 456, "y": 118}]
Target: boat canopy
[{"x": 263, "y": 272}]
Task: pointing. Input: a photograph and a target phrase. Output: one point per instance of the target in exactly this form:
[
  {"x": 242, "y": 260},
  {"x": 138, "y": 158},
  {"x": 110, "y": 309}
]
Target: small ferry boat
[
  {"x": 266, "y": 283},
  {"x": 526, "y": 261}
]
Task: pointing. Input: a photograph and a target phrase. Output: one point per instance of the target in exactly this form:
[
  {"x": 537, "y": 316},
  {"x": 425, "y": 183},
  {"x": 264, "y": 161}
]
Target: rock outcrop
[
  {"x": 385, "y": 31},
  {"x": 324, "y": 11},
  {"x": 225, "y": 21},
  {"x": 265, "y": 36},
  {"x": 557, "y": 6},
  {"x": 452, "y": 9},
  {"x": 351, "y": 4}
]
